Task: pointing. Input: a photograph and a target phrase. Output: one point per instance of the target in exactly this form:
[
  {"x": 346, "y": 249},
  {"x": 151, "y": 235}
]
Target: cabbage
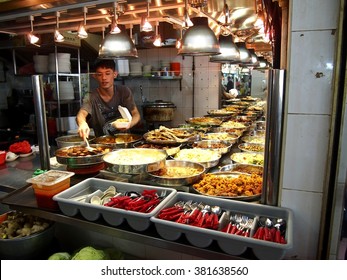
[
  {"x": 90, "y": 253},
  {"x": 60, "y": 256}
]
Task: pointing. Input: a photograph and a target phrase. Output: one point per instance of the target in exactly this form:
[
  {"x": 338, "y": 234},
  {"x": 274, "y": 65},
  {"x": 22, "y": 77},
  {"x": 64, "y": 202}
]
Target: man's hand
[{"x": 84, "y": 130}]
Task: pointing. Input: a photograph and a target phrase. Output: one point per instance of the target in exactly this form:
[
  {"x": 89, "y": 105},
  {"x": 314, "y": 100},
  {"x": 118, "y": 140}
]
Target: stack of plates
[
  {"x": 66, "y": 91},
  {"x": 64, "y": 64},
  {"x": 41, "y": 63}
]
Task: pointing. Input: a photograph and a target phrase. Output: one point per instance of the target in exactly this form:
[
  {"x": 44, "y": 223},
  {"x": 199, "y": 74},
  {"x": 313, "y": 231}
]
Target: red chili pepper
[
  {"x": 215, "y": 221},
  {"x": 267, "y": 234},
  {"x": 283, "y": 240},
  {"x": 255, "y": 235},
  {"x": 273, "y": 233},
  {"x": 226, "y": 228},
  {"x": 234, "y": 229},
  {"x": 278, "y": 236},
  {"x": 261, "y": 233}
]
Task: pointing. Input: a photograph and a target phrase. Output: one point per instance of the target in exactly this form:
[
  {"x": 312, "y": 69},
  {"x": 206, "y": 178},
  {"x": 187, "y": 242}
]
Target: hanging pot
[{"x": 158, "y": 111}]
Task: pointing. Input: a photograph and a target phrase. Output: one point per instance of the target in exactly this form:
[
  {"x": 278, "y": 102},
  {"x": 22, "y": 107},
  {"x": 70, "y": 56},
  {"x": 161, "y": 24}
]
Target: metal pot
[{"x": 158, "y": 111}]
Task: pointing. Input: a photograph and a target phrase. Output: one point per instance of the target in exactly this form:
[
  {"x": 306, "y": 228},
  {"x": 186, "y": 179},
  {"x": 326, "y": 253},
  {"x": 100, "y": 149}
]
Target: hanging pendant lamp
[
  {"x": 117, "y": 46},
  {"x": 245, "y": 55},
  {"x": 199, "y": 40},
  {"x": 254, "y": 61},
  {"x": 229, "y": 51}
]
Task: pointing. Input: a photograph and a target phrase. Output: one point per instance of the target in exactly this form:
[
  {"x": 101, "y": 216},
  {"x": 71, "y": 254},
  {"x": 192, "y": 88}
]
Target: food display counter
[
  {"x": 261, "y": 231},
  {"x": 23, "y": 199}
]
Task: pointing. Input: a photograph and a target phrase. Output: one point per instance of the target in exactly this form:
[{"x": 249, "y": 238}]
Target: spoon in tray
[{"x": 89, "y": 148}]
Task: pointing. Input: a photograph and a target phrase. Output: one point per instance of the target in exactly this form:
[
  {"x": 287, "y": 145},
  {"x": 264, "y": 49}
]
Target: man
[
  {"x": 230, "y": 84},
  {"x": 100, "y": 107}
]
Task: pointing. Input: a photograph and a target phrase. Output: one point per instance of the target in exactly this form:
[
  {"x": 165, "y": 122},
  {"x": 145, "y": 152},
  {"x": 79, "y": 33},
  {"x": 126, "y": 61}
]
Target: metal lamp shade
[
  {"x": 229, "y": 51},
  {"x": 254, "y": 61},
  {"x": 245, "y": 55},
  {"x": 117, "y": 46},
  {"x": 199, "y": 40}
]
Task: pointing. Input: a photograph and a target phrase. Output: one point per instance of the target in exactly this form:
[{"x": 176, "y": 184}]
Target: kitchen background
[{"x": 309, "y": 119}]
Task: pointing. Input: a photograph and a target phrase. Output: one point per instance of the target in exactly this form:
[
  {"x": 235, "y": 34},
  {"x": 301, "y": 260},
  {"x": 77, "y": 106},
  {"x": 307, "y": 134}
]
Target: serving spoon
[{"x": 88, "y": 146}]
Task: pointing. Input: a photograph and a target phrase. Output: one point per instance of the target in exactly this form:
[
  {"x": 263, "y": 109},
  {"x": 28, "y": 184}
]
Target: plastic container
[
  {"x": 49, "y": 184},
  {"x": 175, "y": 67},
  {"x": 230, "y": 243},
  {"x": 113, "y": 216}
]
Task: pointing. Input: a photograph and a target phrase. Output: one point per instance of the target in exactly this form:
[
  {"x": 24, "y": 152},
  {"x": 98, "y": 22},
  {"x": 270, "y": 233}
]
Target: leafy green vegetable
[
  {"x": 90, "y": 253},
  {"x": 60, "y": 256}
]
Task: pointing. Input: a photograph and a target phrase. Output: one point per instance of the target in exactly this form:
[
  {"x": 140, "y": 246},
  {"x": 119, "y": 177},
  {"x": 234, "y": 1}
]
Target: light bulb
[
  {"x": 58, "y": 37},
  {"x": 33, "y": 39},
  {"x": 82, "y": 33}
]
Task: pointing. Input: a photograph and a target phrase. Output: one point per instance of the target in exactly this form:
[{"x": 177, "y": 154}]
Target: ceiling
[{"x": 241, "y": 16}]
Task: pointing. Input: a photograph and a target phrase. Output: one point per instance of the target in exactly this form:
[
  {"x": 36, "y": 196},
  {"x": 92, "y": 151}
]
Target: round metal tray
[
  {"x": 120, "y": 140},
  {"x": 205, "y": 121},
  {"x": 247, "y": 147},
  {"x": 76, "y": 161},
  {"x": 193, "y": 155},
  {"x": 179, "y": 181},
  {"x": 243, "y": 168},
  {"x": 168, "y": 142},
  {"x": 135, "y": 160},
  {"x": 213, "y": 145},
  {"x": 231, "y": 175}
]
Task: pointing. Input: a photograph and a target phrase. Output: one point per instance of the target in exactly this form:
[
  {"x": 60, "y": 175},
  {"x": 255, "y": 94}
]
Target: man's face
[{"x": 105, "y": 77}]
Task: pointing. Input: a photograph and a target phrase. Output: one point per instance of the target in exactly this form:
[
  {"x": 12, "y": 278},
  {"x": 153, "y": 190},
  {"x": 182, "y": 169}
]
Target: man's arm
[{"x": 81, "y": 120}]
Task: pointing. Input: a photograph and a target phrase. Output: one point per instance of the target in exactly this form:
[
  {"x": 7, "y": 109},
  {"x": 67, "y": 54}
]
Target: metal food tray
[
  {"x": 113, "y": 216},
  {"x": 229, "y": 243},
  {"x": 231, "y": 174},
  {"x": 79, "y": 161}
]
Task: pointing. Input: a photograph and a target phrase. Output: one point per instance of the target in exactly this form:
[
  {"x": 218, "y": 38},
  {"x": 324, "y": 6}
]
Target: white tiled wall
[{"x": 311, "y": 51}]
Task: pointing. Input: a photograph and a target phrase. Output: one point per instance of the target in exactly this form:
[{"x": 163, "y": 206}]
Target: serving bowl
[{"x": 177, "y": 173}]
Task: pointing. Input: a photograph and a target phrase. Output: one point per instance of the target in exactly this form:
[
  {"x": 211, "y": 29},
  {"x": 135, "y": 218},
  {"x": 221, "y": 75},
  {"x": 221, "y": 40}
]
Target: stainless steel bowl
[
  {"x": 70, "y": 140},
  {"x": 243, "y": 168},
  {"x": 181, "y": 180},
  {"x": 29, "y": 247},
  {"x": 221, "y": 146},
  {"x": 135, "y": 160}
]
